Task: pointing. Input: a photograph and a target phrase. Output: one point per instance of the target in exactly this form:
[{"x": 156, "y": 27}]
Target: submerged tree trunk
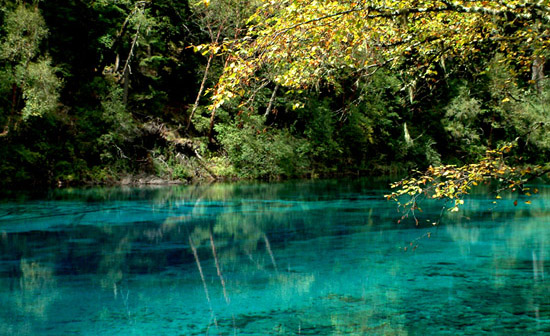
[
  {"x": 218, "y": 267},
  {"x": 203, "y": 279}
]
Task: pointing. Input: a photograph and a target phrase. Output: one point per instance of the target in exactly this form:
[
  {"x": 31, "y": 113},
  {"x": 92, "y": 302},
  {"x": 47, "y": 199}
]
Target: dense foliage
[{"x": 97, "y": 91}]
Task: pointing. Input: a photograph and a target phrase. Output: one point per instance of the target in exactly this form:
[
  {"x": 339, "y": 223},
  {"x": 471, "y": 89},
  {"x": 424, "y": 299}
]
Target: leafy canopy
[
  {"x": 300, "y": 44},
  {"x": 24, "y": 68}
]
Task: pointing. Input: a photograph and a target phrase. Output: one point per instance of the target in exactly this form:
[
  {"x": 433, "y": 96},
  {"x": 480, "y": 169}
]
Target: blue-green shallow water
[{"x": 306, "y": 258}]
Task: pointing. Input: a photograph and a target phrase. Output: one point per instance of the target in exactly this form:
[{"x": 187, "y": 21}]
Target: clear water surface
[{"x": 295, "y": 258}]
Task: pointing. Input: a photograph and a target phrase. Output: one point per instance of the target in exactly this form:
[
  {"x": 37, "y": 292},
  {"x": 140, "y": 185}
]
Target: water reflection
[{"x": 308, "y": 258}]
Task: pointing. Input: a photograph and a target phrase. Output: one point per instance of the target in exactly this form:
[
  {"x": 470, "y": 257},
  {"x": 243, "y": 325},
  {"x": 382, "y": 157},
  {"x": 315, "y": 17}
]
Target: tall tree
[
  {"x": 220, "y": 20},
  {"x": 26, "y": 67}
]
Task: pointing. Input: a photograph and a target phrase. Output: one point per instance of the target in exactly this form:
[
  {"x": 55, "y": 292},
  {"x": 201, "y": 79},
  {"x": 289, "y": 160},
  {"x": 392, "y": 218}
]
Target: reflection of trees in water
[
  {"x": 513, "y": 259},
  {"x": 222, "y": 240},
  {"x": 231, "y": 235},
  {"x": 225, "y": 230},
  {"x": 36, "y": 279},
  {"x": 527, "y": 231},
  {"x": 113, "y": 265},
  {"x": 211, "y": 232},
  {"x": 243, "y": 233},
  {"x": 31, "y": 298},
  {"x": 303, "y": 189},
  {"x": 237, "y": 237},
  {"x": 239, "y": 234}
]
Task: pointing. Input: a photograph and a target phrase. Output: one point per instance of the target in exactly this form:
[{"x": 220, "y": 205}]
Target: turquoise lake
[{"x": 293, "y": 258}]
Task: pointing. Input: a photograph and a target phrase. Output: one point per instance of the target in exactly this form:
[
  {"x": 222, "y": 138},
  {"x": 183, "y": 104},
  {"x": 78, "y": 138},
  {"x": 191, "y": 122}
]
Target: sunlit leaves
[
  {"x": 25, "y": 28},
  {"x": 302, "y": 44},
  {"x": 40, "y": 88},
  {"x": 452, "y": 182}
]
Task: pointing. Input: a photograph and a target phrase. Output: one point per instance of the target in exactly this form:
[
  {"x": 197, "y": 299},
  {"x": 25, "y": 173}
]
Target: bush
[{"x": 257, "y": 151}]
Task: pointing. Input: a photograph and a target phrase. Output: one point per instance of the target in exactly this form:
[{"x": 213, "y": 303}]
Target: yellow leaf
[
  {"x": 505, "y": 100},
  {"x": 527, "y": 202},
  {"x": 498, "y": 197}
]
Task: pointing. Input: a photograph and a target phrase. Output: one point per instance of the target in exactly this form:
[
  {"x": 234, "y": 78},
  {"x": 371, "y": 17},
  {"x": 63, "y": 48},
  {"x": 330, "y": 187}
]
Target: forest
[{"x": 105, "y": 91}]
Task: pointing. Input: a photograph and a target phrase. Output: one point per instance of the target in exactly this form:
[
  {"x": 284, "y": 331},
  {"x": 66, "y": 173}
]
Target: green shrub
[{"x": 257, "y": 151}]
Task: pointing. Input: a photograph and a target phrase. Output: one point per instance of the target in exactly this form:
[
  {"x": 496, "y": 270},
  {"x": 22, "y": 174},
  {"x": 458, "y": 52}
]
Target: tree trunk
[
  {"x": 211, "y": 129},
  {"x": 205, "y": 76},
  {"x": 127, "y": 70},
  {"x": 201, "y": 89},
  {"x": 537, "y": 72},
  {"x": 126, "y": 79},
  {"x": 270, "y": 105},
  {"x": 13, "y": 98}
]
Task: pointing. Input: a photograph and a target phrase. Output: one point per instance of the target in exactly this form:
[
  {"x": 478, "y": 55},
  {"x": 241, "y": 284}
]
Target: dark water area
[{"x": 293, "y": 258}]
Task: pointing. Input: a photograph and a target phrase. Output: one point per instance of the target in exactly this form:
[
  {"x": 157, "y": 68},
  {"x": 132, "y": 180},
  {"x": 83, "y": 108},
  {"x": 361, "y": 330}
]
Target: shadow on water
[{"x": 317, "y": 258}]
